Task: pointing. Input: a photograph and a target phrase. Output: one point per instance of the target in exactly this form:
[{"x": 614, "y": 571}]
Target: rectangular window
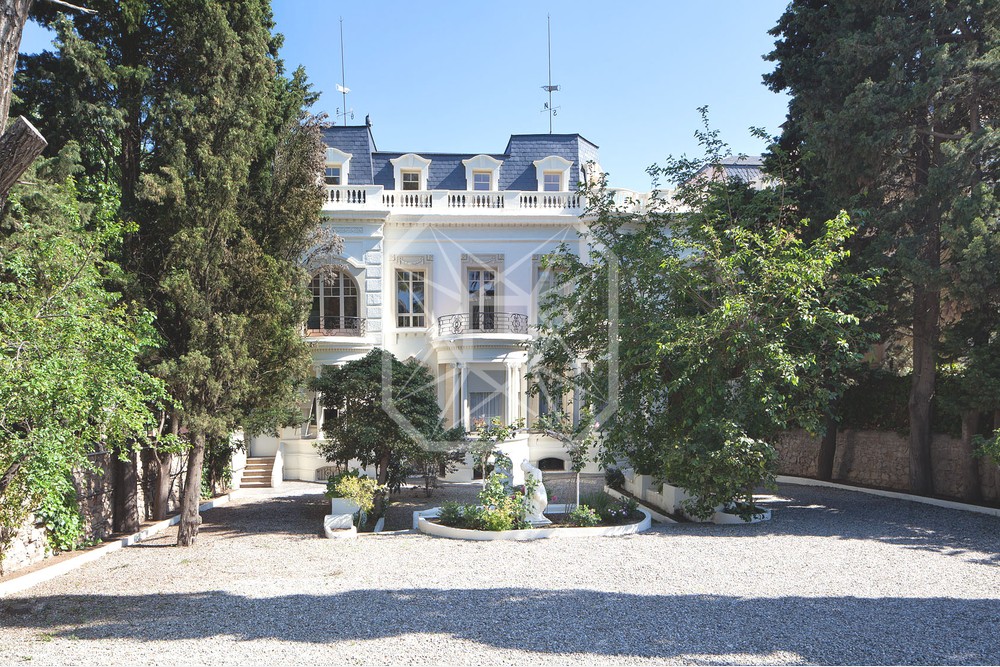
[
  {"x": 481, "y": 180},
  {"x": 411, "y": 180},
  {"x": 332, "y": 175},
  {"x": 410, "y": 298},
  {"x": 485, "y": 405},
  {"x": 547, "y": 289},
  {"x": 553, "y": 182}
]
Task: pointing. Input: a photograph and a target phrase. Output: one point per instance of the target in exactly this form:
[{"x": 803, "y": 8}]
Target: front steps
[{"x": 257, "y": 474}]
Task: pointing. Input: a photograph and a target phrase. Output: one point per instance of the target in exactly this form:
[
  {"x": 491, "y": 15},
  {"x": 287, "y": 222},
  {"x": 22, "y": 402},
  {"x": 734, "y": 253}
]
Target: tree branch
[{"x": 73, "y": 8}]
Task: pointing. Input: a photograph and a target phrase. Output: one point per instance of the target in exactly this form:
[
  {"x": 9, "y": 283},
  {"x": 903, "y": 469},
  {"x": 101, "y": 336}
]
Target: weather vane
[
  {"x": 342, "y": 86},
  {"x": 552, "y": 111}
]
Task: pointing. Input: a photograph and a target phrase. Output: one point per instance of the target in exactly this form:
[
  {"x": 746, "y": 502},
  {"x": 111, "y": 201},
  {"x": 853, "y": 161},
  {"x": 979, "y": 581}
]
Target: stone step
[{"x": 257, "y": 473}]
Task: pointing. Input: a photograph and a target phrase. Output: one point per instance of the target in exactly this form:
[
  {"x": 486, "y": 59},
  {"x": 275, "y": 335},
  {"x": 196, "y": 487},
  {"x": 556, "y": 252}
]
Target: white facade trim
[
  {"x": 409, "y": 162},
  {"x": 482, "y": 163},
  {"x": 550, "y": 164},
  {"x": 338, "y": 158}
]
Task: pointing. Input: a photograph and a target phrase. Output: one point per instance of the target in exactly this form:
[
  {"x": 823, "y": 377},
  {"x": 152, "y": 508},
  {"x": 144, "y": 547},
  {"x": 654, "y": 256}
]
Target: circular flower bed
[{"x": 425, "y": 523}]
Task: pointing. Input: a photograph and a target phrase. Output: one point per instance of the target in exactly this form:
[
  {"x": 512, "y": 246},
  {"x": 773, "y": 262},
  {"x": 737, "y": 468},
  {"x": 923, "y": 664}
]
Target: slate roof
[
  {"x": 749, "y": 169},
  {"x": 370, "y": 166}
]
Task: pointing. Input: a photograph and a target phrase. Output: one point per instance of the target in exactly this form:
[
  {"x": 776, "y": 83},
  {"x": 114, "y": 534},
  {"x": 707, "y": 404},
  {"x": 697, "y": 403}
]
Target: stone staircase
[{"x": 257, "y": 474}]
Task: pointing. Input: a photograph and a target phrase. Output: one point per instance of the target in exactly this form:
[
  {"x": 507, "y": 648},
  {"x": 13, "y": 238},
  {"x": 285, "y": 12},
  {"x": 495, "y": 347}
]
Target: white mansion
[{"x": 441, "y": 261}]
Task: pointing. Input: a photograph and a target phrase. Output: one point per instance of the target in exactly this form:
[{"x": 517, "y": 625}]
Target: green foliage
[
  {"x": 69, "y": 378},
  {"x": 453, "y": 514},
  {"x": 333, "y": 481},
  {"x": 488, "y": 436},
  {"x": 583, "y": 516},
  {"x": 893, "y": 116},
  {"x": 358, "y": 489},
  {"x": 614, "y": 478},
  {"x": 186, "y": 109},
  {"x": 720, "y": 467},
  {"x": 724, "y": 322},
  {"x": 499, "y": 508},
  {"x": 622, "y": 511},
  {"x": 365, "y": 431},
  {"x": 60, "y": 512}
]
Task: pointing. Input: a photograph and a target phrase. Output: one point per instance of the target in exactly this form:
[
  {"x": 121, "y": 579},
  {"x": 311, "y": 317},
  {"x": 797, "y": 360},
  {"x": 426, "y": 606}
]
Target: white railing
[
  {"x": 507, "y": 202},
  {"x": 352, "y": 195}
]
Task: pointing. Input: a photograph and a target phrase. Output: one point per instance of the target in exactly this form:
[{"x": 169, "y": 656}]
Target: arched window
[{"x": 334, "y": 304}]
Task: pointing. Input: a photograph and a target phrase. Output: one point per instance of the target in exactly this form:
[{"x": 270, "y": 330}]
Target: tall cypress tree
[
  {"x": 217, "y": 163},
  {"x": 893, "y": 114}
]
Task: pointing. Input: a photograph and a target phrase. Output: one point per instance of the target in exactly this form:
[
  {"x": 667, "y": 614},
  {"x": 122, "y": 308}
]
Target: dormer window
[
  {"x": 481, "y": 180},
  {"x": 338, "y": 164},
  {"x": 332, "y": 176},
  {"x": 553, "y": 174},
  {"x": 411, "y": 180},
  {"x": 409, "y": 172},
  {"x": 482, "y": 173}
]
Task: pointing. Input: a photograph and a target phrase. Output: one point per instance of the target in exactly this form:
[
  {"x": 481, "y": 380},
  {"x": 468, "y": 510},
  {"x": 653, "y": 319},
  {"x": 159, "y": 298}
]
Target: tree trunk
[
  {"x": 827, "y": 448},
  {"x": 10, "y": 473},
  {"x": 191, "y": 498},
  {"x": 165, "y": 461},
  {"x": 925, "y": 332},
  {"x": 19, "y": 146},
  {"x": 13, "y": 16},
  {"x": 126, "y": 506},
  {"x": 971, "y": 483},
  {"x": 161, "y": 497}
]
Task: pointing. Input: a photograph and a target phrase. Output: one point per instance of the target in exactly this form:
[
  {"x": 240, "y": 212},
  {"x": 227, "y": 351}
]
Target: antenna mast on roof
[
  {"x": 550, "y": 88},
  {"x": 342, "y": 86}
]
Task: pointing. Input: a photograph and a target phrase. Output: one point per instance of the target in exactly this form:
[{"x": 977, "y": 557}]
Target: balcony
[
  {"x": 452, "y": 202},
  {"x": 483, "y": 323},
  {"x": 335, "y": 326},
  {"x": 375, "y": 198}
]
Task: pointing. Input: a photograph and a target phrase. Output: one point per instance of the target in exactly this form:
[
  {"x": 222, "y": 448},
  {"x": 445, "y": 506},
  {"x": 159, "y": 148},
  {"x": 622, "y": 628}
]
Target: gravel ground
[{"x": 836, "y": 577}]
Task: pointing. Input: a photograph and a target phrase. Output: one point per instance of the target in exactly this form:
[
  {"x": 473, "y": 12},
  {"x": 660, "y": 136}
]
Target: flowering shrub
[
  {"x": 625, "y": 510},
  {"x": 583, "y": 516},
  {"x": 499, "y": 508}
]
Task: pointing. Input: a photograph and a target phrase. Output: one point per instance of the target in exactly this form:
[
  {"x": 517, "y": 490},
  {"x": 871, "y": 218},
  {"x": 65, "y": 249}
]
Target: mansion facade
[{"x": 441, "y": 261}]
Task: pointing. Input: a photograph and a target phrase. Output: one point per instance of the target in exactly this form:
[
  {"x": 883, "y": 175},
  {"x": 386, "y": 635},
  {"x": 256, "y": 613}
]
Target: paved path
[{"x": 836, "y": 577}]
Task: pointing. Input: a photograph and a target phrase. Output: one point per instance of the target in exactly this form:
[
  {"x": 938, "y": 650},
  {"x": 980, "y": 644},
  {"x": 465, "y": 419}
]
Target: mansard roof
[{"x": 370, "y": 166}]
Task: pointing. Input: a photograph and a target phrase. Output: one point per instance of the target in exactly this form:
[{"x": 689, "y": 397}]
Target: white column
[
  {"x": 466, "y": 419},
  {"x": 510, "y": 388},
  {"x": 523, "y": 383}
]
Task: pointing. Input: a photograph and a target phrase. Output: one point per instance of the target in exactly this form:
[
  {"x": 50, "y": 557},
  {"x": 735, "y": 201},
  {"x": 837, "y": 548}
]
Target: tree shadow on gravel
[
  {"x": 851, "y": 515},
  {"x": 699, "y": 628}
]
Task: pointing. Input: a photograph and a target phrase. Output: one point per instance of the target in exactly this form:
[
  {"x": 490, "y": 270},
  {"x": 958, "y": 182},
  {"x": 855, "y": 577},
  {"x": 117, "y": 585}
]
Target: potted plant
[{"x": 352, "y": 493}]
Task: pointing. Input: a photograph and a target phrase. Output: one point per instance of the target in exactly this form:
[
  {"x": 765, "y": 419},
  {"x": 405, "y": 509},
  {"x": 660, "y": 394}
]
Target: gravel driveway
[{"x": 836, "y": 577}]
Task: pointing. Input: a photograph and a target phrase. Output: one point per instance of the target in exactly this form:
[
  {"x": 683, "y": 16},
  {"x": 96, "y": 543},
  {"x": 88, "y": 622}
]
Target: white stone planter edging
[
  {"x": 421, "y": 522},
  {"x": 948, "y": 504},
  {"x": 26, "y": 581},
  {"x": 662, "y": 518}
]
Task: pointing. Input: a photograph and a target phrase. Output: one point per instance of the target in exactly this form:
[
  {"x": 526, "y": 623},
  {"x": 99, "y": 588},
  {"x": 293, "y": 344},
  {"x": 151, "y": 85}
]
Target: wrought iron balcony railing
[
  {"x": 335, "y": 326},
  {"x": 466, "y": 323}
]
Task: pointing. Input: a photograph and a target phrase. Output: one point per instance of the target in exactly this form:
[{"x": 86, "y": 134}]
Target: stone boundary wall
[
  {"x": 95, "y": 493},
  {"x": 881, "y": 459}
]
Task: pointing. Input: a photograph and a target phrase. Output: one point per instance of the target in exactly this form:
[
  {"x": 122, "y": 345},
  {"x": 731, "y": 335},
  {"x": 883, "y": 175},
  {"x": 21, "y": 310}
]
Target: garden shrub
[
  {"x": 620, "y": 512},
  {"x": 614, "y": 478},
  {"x": 583, "y": 516}
]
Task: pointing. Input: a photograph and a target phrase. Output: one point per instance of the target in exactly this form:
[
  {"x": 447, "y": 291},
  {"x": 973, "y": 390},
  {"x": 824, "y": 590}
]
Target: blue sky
[{"x": 462, "y": 77}]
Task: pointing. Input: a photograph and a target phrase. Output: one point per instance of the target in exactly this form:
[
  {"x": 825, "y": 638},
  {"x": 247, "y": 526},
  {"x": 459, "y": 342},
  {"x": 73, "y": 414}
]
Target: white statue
[{"x": 538, "y": 499}]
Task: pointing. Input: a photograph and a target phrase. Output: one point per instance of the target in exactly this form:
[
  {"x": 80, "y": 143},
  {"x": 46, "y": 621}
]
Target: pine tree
[{"x": 893, "y": 115}]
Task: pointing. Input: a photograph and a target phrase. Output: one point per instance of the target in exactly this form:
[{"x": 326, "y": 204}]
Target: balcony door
[
  {"x": 334, "y": 303},
  {"x": 482, "y": 299}
]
